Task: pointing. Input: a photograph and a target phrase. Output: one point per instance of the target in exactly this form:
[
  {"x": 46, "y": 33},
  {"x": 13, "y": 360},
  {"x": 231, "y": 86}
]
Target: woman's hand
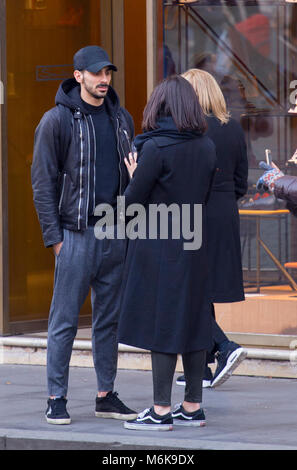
[{"x": 131, "y": 163}]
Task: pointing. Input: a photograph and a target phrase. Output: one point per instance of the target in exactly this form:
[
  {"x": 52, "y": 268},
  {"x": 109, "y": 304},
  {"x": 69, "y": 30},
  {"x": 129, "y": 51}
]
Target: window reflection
[{"x": 251, "y": 49}]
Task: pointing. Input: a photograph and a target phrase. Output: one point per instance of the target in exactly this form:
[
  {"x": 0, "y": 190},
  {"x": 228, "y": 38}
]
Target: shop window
[
  {"x": 42, "y": 36},
  {"x": 251, "y": 48}
]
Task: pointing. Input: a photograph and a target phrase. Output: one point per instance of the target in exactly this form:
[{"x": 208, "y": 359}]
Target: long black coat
[
  {"x": 165, "y": 302},
  {"x": 223, "y": 230}
]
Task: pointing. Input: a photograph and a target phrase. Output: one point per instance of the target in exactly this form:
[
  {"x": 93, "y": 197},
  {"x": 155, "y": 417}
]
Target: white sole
[
  {"x": 58, "y": 421},
  {"x": 196, "y": 424},
  {"x": 233, "y": 361},
  {"x": 148, "y": 427},
  {"x": 101, "y": 414},
  {"x": 205, "y": 383}
]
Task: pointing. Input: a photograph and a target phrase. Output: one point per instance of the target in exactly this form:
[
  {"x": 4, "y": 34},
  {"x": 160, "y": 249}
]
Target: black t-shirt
[{"x": 107, "y": 175}]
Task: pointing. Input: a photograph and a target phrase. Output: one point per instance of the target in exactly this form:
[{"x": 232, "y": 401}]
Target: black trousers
[{"x": 163, "y": 368}]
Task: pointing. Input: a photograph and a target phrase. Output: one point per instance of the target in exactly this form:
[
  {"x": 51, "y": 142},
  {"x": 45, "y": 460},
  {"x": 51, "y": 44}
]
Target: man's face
[{"x": 96, "y": 84}]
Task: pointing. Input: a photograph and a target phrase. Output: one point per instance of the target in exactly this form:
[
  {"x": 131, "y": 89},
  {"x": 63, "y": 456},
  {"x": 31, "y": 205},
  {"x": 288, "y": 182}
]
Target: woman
[
  {"x": 223, "y": 232},
  {"x": 165, "y": 303}
]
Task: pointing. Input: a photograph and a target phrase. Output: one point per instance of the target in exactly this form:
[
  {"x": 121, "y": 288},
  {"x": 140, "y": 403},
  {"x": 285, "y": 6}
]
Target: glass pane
[
  {"x": 135, "y": 60},
  {"x": 251, "y": 49},
  {"x": 42, "y": 36}
]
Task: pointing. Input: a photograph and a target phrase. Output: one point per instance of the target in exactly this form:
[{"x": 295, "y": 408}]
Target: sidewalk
[{"x": 245, "y": 413}]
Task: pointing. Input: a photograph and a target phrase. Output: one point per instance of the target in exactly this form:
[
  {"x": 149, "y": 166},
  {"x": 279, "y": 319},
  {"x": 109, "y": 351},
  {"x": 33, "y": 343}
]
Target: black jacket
[
  {"x": 165, "y": 303},
  {"x": 286, "y": 188},
  {"x": 64, "y": 157}
]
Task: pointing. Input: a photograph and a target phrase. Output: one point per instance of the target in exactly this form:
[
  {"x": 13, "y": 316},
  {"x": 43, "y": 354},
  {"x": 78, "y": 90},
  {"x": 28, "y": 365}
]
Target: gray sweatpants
[{"x": 85, "y": 262}]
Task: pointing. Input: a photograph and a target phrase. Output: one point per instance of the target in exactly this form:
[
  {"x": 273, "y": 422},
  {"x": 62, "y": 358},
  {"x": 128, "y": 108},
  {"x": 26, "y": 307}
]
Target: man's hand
[
  {"x": 131, "y": 163},
  {"x": 57, "y": 248}
]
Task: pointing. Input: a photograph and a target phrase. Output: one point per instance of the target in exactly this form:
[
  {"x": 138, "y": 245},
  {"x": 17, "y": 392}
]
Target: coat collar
[{"x": 166, "y": 134}]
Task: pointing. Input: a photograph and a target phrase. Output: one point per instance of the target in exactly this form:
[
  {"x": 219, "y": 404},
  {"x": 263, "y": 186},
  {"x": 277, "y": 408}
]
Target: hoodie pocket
[
  {"x": 68, "y": 195},
  {"x": 69, "y": 198},
  {"x": 63, "y": 182}
]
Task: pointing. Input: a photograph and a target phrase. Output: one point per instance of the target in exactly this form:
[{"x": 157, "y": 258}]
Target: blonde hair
[{"x": 209, "y": 94}]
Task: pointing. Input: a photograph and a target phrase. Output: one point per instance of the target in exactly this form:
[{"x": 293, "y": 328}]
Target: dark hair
[{"x": 174, "y": 97}]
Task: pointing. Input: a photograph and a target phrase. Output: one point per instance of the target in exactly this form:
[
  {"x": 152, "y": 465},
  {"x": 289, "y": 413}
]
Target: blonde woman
[{"x": 223, "y": 236}]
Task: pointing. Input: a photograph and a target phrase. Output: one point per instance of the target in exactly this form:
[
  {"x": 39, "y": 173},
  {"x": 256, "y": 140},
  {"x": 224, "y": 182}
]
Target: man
[{"x": 78, "y": 163}]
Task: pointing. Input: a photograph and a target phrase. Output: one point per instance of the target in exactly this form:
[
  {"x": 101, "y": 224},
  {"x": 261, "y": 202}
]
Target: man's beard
[{"x": 98, "y": 95}]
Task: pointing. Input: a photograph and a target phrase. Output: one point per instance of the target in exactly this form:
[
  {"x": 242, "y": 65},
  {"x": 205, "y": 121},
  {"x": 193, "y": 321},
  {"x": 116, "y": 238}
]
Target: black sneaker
[
  {"x": 112, "y": 407},
  {"x": 228, "y": 360},
  {"x": 149, "y": 420},
  {"x": 181, "y": 417},
  {"x": 181, "y": 380},
  {"x": 56, "y": 412},
  {"x": 207, "y": 378}
]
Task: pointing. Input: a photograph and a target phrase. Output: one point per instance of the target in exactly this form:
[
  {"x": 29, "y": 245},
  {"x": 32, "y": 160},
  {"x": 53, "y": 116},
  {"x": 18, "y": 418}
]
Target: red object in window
[
  {"x": 256, "y": 30},
  {"x": 260, "y": 196}
]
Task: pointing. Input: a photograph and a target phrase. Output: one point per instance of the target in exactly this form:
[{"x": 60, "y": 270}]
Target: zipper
[
  {"x": 89, "y": 164},
  {"x": 122, "y": 216},
  {"x": 95, "y": 153},
  {"x": 119, "y": 152},
  {"x": 80, "y": 175},
  {"x": 62, "y": 193}
]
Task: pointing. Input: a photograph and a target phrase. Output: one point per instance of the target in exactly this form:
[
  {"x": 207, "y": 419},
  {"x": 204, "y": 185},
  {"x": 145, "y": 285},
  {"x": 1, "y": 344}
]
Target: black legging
[{"x": 163, "y": 368}]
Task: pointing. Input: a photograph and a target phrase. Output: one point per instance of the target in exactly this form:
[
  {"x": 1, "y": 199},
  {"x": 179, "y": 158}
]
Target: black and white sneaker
[
  {"x": 112, "y": 407},
  {"x": 56, "y": 412},
  {"x": 181, "y": 417},
  {"x": 181, "y": 380},
  {"x": 207, "y": 378},
  {"x": 151, "y": 421},
  {"x": 228, "y": 360}
]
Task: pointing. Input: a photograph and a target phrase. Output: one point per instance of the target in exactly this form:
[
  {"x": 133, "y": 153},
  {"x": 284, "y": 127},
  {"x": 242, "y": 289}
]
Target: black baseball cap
[{"x": 92, "y": 59}]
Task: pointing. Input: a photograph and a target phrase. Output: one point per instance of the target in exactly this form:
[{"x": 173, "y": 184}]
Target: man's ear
[{"x": 78, "y": 76}]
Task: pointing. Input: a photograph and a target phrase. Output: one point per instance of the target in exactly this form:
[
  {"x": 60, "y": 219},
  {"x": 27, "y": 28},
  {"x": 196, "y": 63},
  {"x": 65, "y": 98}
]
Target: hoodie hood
[
  {"x": 166, "y": 134},
  {"x": 68, "y": 95}
]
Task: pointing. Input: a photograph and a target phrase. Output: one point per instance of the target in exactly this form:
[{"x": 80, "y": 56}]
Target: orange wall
[{"x": 135, "y": 59}]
